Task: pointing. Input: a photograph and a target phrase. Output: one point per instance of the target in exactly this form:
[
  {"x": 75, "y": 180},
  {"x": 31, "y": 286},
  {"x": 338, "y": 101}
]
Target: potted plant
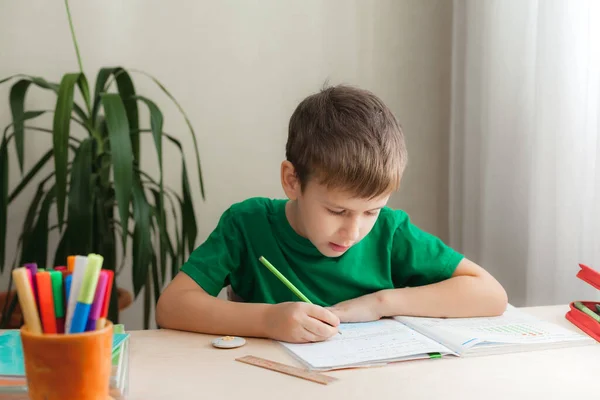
[{"x": 105, "y": 202}]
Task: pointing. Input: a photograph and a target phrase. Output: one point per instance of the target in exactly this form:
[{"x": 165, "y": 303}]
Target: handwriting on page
[
  {"x": 512, "y": 327},
  {"x": 363, "y": 342}
]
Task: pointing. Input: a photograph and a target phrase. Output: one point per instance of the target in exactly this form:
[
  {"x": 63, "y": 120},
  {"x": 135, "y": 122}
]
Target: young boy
[{"x": 334, "y": 239}]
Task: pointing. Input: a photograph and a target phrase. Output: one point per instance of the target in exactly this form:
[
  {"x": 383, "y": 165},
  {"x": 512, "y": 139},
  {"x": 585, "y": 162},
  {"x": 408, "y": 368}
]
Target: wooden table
[{"x": 167, "y": 364}]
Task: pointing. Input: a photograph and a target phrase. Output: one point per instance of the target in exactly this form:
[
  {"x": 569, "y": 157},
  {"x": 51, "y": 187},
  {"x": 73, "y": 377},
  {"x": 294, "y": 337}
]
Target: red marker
[
  {"x": 46, "y": 301},
  {"x": 104, "y": 313}
]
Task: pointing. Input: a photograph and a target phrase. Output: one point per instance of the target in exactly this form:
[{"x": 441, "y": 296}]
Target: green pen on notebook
[
  {"x": 287, "y": 283},
  {"x": 586, "y": 310},
  {"x": 283, "y": 279}
]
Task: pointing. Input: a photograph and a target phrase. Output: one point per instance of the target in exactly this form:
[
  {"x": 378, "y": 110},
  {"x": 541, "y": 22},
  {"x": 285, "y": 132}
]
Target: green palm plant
[{"x": 101, "y": 195}]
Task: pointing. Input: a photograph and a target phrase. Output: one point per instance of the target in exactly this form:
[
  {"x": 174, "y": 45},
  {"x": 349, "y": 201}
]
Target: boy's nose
[{"x": 351, "y": 232}]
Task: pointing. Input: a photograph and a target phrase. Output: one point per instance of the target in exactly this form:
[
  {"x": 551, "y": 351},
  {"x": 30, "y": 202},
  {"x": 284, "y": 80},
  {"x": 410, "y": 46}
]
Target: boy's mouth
[{"x": 338, "y": 248}]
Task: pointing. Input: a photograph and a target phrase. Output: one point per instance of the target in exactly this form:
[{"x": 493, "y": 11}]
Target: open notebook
[{"x": 409, "y": 338}]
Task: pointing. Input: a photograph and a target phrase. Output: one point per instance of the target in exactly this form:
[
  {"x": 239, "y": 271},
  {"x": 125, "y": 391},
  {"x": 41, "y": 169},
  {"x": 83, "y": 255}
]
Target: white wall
[{"x": 239, "y": 68}]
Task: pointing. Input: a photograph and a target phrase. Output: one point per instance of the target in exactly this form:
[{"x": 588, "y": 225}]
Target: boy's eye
[
  {"x": 372, "y": 213},
  {"x": 336, "y": 212}
]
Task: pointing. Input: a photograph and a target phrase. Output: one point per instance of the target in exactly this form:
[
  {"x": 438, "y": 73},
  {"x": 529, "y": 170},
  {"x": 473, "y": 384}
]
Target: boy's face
[{"x": 333, "y": 220}]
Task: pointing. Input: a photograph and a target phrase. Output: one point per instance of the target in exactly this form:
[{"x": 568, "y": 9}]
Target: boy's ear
[{"x": 289, "y": 180}]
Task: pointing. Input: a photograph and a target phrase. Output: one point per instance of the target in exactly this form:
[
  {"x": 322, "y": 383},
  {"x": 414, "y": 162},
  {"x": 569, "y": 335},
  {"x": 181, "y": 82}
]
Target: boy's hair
[{"x": 348, "y": 139}]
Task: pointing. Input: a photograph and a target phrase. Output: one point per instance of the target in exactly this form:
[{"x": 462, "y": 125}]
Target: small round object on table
[{"x": 228, "y": 342}]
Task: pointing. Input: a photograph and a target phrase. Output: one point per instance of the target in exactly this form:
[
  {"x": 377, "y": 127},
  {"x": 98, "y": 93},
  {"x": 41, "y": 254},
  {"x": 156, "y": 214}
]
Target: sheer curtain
[{"x": 525, "y": 146}]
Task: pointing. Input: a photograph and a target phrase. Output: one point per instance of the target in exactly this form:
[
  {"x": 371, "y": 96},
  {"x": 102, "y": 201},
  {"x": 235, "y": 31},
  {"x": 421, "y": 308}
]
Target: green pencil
[{"x": 283, "y": 279}]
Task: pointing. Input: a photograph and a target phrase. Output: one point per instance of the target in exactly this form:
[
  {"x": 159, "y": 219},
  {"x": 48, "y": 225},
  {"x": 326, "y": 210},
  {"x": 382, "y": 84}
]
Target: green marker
[
  {"x": 598, "y": 307},
  {"x": 284, "y": 280},
  {"x": 586, "y": 310},
  {"x": 57, "y": 287}
]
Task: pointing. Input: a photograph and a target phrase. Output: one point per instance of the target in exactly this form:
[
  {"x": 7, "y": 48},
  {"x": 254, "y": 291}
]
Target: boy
[{"x": 334, "y": 239}]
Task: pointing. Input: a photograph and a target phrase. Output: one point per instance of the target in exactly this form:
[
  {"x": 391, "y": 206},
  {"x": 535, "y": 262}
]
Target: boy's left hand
[{"x": 360, "y": 309}]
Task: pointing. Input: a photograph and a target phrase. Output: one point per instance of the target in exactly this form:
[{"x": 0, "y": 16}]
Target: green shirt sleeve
[
  {"x": 211, "y": 263},
  {"x": 418, "y": 257}
]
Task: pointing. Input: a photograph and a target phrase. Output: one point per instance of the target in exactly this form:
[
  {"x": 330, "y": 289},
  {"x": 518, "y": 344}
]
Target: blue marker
[
  {"x": 86, "y": 293},
  {"x": 68, "y": 280}
]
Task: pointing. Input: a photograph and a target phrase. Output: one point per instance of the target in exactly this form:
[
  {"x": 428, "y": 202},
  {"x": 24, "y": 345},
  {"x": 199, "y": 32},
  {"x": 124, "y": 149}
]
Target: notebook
[{"x": 410, "y": 338}]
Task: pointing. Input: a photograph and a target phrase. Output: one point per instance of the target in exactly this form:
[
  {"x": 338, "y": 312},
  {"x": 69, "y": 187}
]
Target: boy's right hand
[{"x": 298, "y": 322}]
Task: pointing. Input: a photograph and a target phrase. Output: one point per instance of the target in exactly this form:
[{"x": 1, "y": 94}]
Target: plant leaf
[
  {"x": 166, "y": 245},
  {"x": 161, "y": 223},
  {"x": 30, "y": 175},
  {"x": 142, "y": 241},
  {"x": 122, "y": 157},
  {"x": 147, "y": 305},
  {"x": 187, "y": 208},
  {"x": 44, "y": 84},
  {"x": 81, "y": 200},
  {"x": 84, "y": 88},
  {"x": 99, "y": 88},
  {"x": 3, "y": 198},
  {"x": 127, "y": 92},
  {"x": 62, "y": 250},
  {"x": 173, "y": 198},
  {"x": 188, "y": 220},
  {"x": 156, "y": 125},
  {"x": 176, "y": 254},
  {"x": 17, "y": 108},
  {"x": 104, "y": 240},
  {"x": 28, "y": 224},
  {"x": 62, "y": 123},
  {"x": 156, "y": 280},
  {"x": 27, "y": 115},
  {"x": 37, "y": 246},
  {"x": 187, "y": 121}
]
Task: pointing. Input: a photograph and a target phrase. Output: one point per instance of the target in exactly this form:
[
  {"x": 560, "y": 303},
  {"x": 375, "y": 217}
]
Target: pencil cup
[{"x": 69, "y": 366}]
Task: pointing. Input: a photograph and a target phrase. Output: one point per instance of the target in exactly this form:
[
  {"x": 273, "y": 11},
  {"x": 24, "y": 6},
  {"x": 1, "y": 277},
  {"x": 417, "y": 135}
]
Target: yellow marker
[
  {"x": 100, "y": 324},
  {"x": 26, "y": 300}
]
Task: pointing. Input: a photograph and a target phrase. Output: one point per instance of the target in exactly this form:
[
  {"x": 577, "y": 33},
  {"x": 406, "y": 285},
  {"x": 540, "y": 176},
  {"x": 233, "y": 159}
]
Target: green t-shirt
[{"x": 394, "y": 254}]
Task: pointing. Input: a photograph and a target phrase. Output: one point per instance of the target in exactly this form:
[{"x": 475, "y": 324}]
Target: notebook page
[
  {"x": 513, "y": 327},
  {"x": 365, "y": 343}
]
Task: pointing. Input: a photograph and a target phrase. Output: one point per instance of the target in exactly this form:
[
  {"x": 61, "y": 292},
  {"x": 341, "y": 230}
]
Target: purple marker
[
  {"x": 98, "y": 301},
  {"x": 32, "y": 268}
]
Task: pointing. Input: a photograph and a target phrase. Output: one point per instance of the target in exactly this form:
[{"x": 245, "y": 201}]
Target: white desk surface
[{"x": 179, "y": 365}]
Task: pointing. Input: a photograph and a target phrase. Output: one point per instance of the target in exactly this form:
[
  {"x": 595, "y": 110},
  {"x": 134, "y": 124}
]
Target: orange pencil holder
[{"x": 68, "y": 366}]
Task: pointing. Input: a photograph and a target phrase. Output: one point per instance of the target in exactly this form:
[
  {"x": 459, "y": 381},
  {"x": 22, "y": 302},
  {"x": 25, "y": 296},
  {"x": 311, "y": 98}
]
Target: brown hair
[{"x": 348, "y": 139}]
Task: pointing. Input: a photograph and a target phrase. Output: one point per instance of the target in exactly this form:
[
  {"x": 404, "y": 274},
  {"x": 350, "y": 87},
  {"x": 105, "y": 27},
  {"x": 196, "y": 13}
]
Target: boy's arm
[
  {"x": 184, "y": 305},
  {"x": 470, "y": 292}
]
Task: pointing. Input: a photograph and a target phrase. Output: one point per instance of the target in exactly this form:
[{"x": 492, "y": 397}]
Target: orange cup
[{"x": 68, "y": 366}]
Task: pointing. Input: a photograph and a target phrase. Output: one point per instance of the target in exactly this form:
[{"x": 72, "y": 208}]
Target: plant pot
[{"x": 124, "y": 300}]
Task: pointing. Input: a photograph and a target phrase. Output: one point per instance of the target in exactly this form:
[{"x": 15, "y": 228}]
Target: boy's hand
[
  {"x": 298, "y": 322},
  {"x": 361, "y": 309}
]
